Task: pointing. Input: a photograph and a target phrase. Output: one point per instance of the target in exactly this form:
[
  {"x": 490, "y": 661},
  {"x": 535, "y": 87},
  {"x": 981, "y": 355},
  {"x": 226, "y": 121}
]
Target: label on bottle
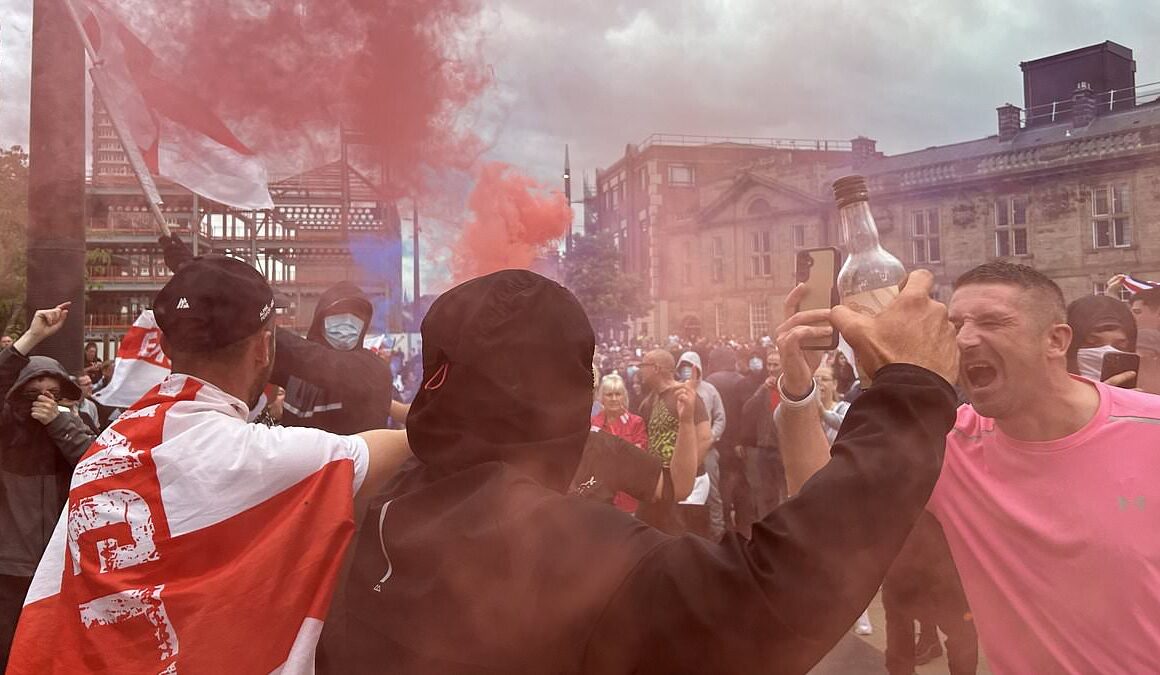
[
  {"x": 869, "y": 303},
  {"x": 872, "y": 302}
]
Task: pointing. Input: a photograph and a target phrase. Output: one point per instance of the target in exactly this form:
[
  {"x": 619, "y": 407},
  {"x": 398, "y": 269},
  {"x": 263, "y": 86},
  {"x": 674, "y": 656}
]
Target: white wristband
[{"x": 810, "y": 399}]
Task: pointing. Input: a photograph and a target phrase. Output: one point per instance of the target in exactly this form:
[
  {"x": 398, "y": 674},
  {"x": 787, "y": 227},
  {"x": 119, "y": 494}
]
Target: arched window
[{"x": 758, "y": 207}]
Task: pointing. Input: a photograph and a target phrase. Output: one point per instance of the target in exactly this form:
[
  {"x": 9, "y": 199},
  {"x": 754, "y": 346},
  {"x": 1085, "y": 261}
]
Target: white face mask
[
  {"x": 342, "y": 331},
  {"x": 1091, "y": 360}
]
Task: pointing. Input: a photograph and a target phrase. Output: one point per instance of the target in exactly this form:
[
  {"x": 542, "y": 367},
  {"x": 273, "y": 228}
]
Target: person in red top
[{"x": 615, "y": 419}]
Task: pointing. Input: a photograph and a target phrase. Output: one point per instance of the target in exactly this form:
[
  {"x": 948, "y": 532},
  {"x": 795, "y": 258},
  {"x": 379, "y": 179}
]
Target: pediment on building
[{"x": 753, "y": 195}]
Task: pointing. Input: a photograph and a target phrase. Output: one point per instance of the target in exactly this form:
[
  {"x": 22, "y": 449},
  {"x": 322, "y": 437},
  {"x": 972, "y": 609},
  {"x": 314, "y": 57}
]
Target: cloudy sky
[{"x": 601, "y": 73}]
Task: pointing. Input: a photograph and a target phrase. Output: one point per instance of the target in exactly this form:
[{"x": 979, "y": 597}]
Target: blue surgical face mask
[
  {"x": 755, "y": 364},
  {"x": 685, "y": 373},
  {"x": 342, "y": 331}
]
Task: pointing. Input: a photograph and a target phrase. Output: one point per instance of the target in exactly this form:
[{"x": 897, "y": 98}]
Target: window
[
  {"x": 761, "y": 254},
  {"x": 688, "y": 266},
  {"x": 719, "y": 318},
  {"x": 718, "y": 260},
  {"x": 681, "y": 175},
  {"x": 758, "y": 319},
  {"x": 799, "y": 236},
  {"x": 758, "y": 207},
  {"x": 1110, "y": 224},
  {"x": 644, "y": 179},
  {"x": 925, "y": 233},
  {"x": 1011, "y": 227}
]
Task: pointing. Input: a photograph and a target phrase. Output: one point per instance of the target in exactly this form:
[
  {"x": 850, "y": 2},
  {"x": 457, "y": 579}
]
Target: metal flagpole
[{"x": 132, "y": 152}]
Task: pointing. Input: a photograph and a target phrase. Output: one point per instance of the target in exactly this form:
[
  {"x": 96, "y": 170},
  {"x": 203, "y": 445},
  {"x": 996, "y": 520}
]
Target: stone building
[{"x": 1070, "y": 187}]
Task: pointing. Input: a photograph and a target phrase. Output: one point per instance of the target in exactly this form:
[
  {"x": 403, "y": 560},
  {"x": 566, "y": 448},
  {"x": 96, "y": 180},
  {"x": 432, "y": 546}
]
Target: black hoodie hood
[
  {"x": 40, "y": 366},
  {"x": 339, "y": 298},
  {"x": 507, "y": 376}
]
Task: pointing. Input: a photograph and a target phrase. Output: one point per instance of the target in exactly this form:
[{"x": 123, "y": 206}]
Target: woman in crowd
[{"x": 615, "y": 419}]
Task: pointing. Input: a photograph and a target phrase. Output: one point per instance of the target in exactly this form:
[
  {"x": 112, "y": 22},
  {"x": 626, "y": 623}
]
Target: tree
[
  {"x": 609, "y": 296},
  {"x": 13, "y": 225}
]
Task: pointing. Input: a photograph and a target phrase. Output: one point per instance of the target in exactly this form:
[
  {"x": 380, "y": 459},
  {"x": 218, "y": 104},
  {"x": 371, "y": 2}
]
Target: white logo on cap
[
  {"x": 183, "y": 304},
  {"x": 265, "y": 313}
]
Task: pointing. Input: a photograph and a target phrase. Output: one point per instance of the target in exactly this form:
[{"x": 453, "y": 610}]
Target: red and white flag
[
  {"x": 140, "y": 364},
  {"x": 179, "y": 136},
  {"x": 193, "y": 542}
]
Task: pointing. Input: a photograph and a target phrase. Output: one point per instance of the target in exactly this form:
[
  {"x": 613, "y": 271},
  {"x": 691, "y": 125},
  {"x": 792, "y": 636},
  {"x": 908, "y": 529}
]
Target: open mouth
[{"x": 980, "y": 375}]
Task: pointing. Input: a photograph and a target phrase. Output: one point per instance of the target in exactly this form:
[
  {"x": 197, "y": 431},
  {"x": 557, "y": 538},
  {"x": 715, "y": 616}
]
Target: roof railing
[{"x": 688, "y": 140}]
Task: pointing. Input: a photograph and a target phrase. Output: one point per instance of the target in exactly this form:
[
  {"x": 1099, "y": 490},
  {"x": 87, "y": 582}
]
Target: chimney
[
  {"x": 1083, "y": 105},
  {"x": 863, "y": 149},
  {"x": 1008, "y": 121}
]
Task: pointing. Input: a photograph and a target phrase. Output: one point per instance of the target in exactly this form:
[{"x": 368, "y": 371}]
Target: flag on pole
[
  {"x": 177, "y": 134},
  {"x": 140, "y": 364}
]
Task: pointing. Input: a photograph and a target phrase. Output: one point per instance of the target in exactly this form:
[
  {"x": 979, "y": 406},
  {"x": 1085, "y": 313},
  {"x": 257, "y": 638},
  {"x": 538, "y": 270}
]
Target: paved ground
[{"x": 863, "y": 655}]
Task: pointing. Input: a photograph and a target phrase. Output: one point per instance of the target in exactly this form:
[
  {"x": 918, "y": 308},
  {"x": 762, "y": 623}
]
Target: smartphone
[
  {"x": 817, "y": 268},
  {"x": 1119, "y": 362}
]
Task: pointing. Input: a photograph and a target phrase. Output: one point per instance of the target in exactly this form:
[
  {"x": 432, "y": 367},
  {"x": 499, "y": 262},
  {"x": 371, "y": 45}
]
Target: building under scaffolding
[{"x": 303, "y": 246}]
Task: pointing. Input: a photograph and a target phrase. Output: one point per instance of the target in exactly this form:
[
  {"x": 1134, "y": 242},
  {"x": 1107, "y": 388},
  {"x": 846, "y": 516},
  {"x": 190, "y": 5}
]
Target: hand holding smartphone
[
  {"x": 1115, "y": 363},
  {"x": 818, "y": 268}
]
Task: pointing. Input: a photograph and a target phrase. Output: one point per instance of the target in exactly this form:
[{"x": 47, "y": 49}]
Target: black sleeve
[
  {"x": 621, "y": 466},
  {"x": 780, "y": 601},
  {"x": 71, "y": 436},
  {"x": 11, "y": 363},
  {"x": 357, "y": 373}
]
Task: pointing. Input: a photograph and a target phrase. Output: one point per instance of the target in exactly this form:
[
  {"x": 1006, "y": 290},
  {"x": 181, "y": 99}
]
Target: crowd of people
[{"x": 558, "y": 505}]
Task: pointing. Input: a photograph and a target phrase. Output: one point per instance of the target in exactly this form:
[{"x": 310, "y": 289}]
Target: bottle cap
[{"x": 850, "y": 190}]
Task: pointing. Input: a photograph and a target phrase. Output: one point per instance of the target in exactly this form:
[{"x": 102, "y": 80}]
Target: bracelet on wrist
[{"x": 792, "y": 402}]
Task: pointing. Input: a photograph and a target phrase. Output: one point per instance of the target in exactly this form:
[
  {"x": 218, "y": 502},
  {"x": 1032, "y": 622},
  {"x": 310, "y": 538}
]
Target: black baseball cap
[{"x": 211, "y": 302}]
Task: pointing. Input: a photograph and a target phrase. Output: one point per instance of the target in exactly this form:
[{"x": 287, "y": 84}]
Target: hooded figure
[
  {"x": 1099, "y": 323},
  {"x": 331, "y": 382},
  {"x": 36, "y": 465},
  {"x": 478, "y": 563},
  {"x": 37, "y": 461}
]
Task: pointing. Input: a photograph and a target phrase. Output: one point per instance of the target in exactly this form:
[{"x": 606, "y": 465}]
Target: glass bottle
[{"x": 870, "y": 276}]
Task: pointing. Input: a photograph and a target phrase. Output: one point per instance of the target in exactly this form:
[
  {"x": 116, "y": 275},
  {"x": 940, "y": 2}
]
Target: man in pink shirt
[{"x": 1049, "y": 495}]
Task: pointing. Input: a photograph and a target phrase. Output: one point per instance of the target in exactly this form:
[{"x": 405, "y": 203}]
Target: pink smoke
[
  {"x": 285, "y": 74},
  {"x": 513, "y": 222}
]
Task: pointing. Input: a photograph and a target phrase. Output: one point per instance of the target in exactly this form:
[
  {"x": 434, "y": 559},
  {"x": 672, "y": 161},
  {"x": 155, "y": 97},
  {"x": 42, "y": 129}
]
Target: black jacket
[
  {"x": 479, "y": 564},
  {"x": 340, "y": 392},
  {"x": 36, "y": 462}
]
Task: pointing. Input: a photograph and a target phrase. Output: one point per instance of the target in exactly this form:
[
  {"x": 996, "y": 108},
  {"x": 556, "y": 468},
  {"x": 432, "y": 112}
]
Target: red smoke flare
[
  {"x": 511, "y": 225},
  {"x": 286, "y": 73}
]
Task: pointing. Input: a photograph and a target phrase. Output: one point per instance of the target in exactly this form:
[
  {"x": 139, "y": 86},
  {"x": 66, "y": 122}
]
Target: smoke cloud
[{"x": 513, "y": 221}]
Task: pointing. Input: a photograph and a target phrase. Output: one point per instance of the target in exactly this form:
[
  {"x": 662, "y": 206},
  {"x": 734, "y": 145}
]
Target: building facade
[{"x": 1075, "y": 193}]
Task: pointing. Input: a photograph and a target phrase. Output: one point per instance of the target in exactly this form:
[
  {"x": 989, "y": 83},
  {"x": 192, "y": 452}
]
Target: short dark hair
[
  {"x": 1149, "y": 296},
  {"x": 1022, "y": 276}
]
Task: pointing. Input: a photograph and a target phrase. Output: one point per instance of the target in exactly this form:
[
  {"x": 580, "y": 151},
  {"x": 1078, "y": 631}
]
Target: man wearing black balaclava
[{"x": 478, "y": 563}]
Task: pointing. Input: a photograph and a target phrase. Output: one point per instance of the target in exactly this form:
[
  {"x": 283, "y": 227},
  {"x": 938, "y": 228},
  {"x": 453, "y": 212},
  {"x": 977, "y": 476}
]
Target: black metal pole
[{"x": 56, "y": 178}]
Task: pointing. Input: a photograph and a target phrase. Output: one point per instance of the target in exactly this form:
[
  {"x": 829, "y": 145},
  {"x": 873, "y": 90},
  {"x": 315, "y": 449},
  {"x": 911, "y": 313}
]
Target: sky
[{"x": 600, "y": 74}]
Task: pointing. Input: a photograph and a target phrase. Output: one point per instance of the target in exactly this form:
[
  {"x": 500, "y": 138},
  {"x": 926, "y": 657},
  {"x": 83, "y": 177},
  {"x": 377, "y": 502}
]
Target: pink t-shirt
[{"x": 1058, "y": 543}]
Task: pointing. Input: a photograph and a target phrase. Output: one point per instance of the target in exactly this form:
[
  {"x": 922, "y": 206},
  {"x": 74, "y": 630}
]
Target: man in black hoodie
[
  {"x": 478, "y": 563},
  {"x": 39, "y": 446}
]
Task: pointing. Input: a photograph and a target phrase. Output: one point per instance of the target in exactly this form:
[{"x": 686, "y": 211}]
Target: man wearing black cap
[
  {"x": 193, "y": 541},
  {"x": 331, "y": 381},
  {"x": 477, "y": 563}
]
